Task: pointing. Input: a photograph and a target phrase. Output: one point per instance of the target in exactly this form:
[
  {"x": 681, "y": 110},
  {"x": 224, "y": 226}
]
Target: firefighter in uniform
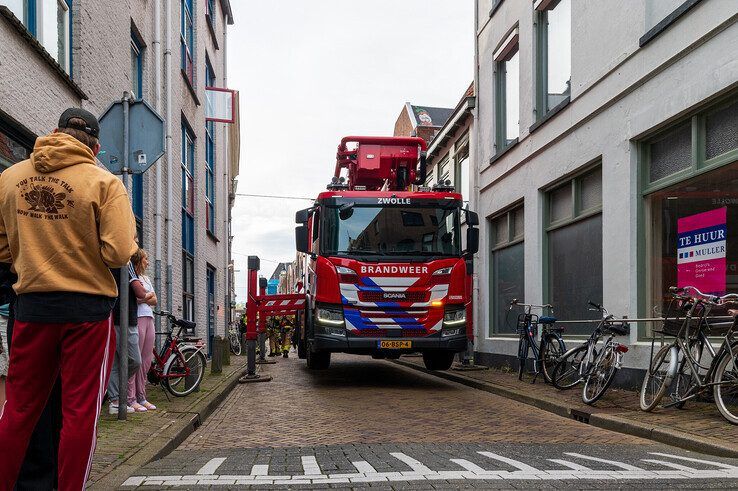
[
  {"x": 274, "y": 336},
  {"x": 285, "y": 339}
]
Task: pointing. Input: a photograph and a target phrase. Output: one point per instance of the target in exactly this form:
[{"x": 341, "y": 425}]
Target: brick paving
[
  {"x": 119, "y": 440},
  {"x": 701, "y": 419},
  {"x": 363, "y": 400}
]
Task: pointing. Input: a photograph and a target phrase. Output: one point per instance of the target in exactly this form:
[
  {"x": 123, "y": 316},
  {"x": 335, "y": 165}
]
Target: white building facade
[
  {"x": 599, "y": 125},
  {"x": 64, "y": 53}
]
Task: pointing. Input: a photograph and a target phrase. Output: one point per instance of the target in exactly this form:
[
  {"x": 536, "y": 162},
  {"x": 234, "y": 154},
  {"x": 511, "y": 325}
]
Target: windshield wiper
[
  {"x": 363, "y": 251},
  {"x": 418, "y": 253}
]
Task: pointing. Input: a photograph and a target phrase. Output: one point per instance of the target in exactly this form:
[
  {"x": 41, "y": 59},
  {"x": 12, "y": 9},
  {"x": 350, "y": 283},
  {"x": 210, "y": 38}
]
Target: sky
[{"x": 310, "y": 72}]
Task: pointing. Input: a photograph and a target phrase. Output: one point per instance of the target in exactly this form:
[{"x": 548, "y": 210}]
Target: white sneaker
[{"x": 113, "y": 409}]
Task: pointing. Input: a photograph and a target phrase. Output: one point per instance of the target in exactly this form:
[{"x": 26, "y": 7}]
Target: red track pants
[{"x": 83, "y": 355}]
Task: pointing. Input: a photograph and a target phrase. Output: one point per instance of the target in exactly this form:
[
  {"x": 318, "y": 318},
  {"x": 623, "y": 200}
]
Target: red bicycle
[{"x": 180, "y": 365}]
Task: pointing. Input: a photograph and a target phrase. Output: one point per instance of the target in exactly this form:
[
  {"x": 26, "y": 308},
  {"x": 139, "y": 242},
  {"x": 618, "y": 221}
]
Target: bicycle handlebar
[
  {"x": 516, "y": 302},
  {"x": 683, "y": 292}
]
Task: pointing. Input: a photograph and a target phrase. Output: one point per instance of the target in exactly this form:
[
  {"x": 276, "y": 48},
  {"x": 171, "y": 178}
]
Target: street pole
[
  {"x": 251, "y": 308},
  {"x": 123, "y": 293}
]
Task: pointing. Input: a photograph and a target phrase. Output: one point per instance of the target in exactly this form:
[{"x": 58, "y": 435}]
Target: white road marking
[
  {"x": 699, "y": 461},
  {"x": 671, "y": 465},
  {"x": 211, "y": 466},
  {"x": 364, "y": 467},
  {"x": 470, "y": 466},
  {"x": 310, "y": 466},
  {"x": 571, "y": 465},
  {"x": 515, "y": 463},
  {"x": 260, "y": 470},
  {"x": 614, "y": 463},
  {"x": 412, "y": 463}
]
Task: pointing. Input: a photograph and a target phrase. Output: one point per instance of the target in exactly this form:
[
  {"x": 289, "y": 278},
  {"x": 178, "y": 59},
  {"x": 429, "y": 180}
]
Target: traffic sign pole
[{"x": 123, "y": 289}]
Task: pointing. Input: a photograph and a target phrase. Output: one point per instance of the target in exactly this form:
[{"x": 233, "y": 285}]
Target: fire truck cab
[{"x": 387, "y": 270}]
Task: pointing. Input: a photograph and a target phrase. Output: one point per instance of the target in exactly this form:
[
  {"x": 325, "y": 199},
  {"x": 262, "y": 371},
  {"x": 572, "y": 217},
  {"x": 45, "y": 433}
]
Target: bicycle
[
  {"x": 551, "y": 346},
  {"x": 678, "y": 365},
  {"x": 584, "y": 363},
  {"x": 180, "y": 365},
  {"x": 234, "y": 340}
]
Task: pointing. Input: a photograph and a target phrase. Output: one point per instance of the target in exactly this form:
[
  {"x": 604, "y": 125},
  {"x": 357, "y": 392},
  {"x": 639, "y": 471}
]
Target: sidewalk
[
  {"x": 698, "y": 427},
  {"x": 123, "y": 446}
]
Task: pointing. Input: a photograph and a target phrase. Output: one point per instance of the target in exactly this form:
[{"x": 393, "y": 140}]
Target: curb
[
  {"x": 610, "y": 422},
  {"x": 173, "y": 436}
]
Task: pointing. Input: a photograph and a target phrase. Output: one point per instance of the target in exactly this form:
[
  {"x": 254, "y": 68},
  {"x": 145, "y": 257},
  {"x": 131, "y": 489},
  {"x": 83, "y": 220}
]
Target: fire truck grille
[
  {"x": 393, "y": 296},
  {"x": 382, "y": 333}
]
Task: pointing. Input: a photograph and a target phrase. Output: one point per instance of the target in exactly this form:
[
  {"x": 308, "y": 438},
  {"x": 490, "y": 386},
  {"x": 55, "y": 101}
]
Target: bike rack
[{"x": 263, "y": 306}]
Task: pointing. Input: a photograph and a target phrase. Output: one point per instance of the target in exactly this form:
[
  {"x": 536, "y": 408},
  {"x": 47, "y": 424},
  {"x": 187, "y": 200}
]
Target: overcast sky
[{"x": 312, "y": 71}]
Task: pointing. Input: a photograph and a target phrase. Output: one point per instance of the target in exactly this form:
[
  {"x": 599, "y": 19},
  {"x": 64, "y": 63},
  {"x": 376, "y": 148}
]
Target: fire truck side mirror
[
  {"x": 302, "y": 216},
  {"x": 472, "y": 241},
  {"x": 301, "y": 239},
  {"x": 472, "y": 219}
]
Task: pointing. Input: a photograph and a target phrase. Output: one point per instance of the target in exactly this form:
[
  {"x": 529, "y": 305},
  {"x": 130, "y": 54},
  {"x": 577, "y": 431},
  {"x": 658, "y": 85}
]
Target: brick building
[
  {"x": 422, "y": 121},
  {"x": 60, "y": 54}
]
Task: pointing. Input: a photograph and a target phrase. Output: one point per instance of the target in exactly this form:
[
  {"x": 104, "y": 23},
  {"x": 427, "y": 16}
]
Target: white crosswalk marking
[
  {"x": 614, "y": 463},
  {"x": 260, "y": 470},
  {"x": 364, "y": 467},
  {"x": 699, "y": 461},
  {"x": 412, "y": 463},
  {"x": 470, "y": 466},
  {"x": 310, "y": 466},
  {"x": 515, "y": 463},
  {"x": 571, "y": 465},
  {"x": 671, "y": 465},
  {"x": 211, "y": 466}
]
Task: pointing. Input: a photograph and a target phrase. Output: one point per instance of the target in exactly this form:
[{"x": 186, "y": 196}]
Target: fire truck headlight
[
  {"x": 454, "y": 318},
  {"x": 330, "y": 317},
  {"x": 443, "y": 271},
  {"x": 345, "y": 270}
]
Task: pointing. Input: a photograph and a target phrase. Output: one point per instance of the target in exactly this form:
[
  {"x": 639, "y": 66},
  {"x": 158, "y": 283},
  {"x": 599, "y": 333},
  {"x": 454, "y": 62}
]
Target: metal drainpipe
[
  {"x": 474, "y": 198},
  {"x": 158, "y": 250},
  {"x": 170, "y": 173},
  {"x": 227, "y": 191}
]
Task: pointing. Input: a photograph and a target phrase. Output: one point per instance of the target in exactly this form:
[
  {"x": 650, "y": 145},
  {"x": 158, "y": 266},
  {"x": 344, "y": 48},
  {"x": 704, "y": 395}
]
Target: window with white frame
[
  {"x": 462, "y": 180},
  {"x": 49, "y": 21},
  {"x": 507, "y": 78},
  {"x": 553, "y": 68},
  {"x": 444, "y": 171}
]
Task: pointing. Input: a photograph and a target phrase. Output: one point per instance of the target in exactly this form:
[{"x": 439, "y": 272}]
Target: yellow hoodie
[{"x": 64, "y": 221}]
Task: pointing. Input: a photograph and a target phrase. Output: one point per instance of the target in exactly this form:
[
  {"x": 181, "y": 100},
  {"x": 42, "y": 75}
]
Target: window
[
  {"x": 188, "y": 286},
  {"x": 507, "y": 74},
  {"x": 136, "y": 68},
  {"x": 574, "y": 252},
  {"x": 461, "y": 177},
  {"x": 210, "y": 12},
  {"x": 553, "y": 67},
  {"x": 210, "y": 283},
  {"x": 444, "y": 171},
  {"x": 430, "y": 176},
  {"x": 209, "y": 159},
  {"x": 187, "y": 38},
  {"x": 49, "y": 21},
  {"x": 690, "y": 176},
  {"x": 508, "y": 272},
  {"x": 188, "y": 191},
  {"x": 13, "y": 148}
]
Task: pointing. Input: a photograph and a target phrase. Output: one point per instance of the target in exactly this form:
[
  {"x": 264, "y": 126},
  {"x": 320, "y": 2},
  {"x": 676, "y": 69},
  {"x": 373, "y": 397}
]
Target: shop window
[
  {"x": 49, "y": 21},
  {"x": 507, "y": 70},
  {"x": 553, "y": 68},
  {"x": 574, "y": 252},
  {"x": 507, "y": 278},
  {"x": 711, "y": 199}
]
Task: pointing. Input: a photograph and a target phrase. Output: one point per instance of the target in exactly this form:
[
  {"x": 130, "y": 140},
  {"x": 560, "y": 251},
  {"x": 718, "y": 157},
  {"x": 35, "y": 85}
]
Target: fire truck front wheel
[
  {"x": 438, "y": 360},
  {"x": 318, "y": 360}
]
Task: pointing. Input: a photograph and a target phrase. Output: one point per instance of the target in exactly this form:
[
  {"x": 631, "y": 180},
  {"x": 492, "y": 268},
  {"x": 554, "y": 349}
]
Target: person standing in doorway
[
  {"x": 64, "y": 222},
  {"x": 137, "y": 384}
]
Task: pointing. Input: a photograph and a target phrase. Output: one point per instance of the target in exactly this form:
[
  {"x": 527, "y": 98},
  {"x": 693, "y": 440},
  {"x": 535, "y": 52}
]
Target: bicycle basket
[
  {"x": 674, "y": 320},
  {"x": 523, "y": 324}
]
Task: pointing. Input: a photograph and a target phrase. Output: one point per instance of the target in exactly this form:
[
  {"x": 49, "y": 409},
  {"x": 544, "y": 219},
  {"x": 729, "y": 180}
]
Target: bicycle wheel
[
  {"x": 600, "y": 376},
  {"x": 726, "y": 388},
  {"x": 235, "y": 344},
  {"x": 522, "y": 355},
  {"x": 176, "y": 380},
  {"x": 658, "y": 377},
  {"x": 566, "y": 372},
  {"x": 553, "y": 349}
]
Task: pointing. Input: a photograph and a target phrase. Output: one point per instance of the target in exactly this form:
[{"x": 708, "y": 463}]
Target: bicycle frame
[
  {"x": 171, "y": 346},
  {"x": 527, "y": 320}
]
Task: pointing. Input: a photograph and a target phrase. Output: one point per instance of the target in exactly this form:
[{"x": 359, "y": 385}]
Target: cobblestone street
[{"x": 373, "y": 422}]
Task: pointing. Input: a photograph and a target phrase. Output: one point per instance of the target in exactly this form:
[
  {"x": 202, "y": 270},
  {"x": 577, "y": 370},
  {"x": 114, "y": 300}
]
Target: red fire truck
[{"x": 387, "y": 271}]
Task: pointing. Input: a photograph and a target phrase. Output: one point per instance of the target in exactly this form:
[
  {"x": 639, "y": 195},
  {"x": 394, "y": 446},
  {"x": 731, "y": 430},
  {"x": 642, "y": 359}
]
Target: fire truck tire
[
  {"x": 301, "y": 348},
  {"x": 438, "y": 360},
  {"x": 318, "y": 360}
]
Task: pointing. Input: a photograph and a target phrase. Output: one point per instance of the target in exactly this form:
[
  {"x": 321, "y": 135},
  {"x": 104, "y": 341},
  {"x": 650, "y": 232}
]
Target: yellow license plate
[{"x": 395, "y": 344}]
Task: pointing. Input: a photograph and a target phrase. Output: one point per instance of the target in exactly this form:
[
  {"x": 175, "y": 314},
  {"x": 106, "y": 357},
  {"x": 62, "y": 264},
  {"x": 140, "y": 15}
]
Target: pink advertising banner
[{"x": 701, "y": 251}]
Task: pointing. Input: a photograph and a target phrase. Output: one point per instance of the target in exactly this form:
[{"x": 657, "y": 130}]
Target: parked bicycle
[
  {"x": 234, "y": 340},
  {"x": 551, "y": 346},
  {"x": 681, "y": 368},
  {"x": 180, "y": 365},
  {"x": 586, "y": 364}
]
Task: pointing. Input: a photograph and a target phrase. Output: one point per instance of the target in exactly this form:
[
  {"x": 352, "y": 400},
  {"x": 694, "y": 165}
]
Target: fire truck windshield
[{"x": 392, "y": 231}]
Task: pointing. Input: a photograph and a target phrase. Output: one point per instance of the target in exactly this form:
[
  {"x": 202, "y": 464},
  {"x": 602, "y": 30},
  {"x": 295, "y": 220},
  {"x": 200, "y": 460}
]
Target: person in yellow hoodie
[{"x": 64, "y": 222}]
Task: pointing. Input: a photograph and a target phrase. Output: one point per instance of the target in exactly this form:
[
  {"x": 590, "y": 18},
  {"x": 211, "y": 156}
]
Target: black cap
[{"x": 91, "y": 127}]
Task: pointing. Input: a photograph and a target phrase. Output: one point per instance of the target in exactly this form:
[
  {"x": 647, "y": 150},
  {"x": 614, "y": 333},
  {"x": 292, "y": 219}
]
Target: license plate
[{"x": 394, "y": 344}]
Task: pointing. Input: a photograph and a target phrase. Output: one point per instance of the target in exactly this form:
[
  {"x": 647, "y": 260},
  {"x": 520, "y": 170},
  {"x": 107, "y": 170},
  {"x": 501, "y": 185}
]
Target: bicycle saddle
[{"x": 547, "y": 320}]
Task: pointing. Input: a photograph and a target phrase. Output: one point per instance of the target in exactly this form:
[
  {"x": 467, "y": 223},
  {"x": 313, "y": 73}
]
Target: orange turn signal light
[{"x": 437, "y": 303}]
